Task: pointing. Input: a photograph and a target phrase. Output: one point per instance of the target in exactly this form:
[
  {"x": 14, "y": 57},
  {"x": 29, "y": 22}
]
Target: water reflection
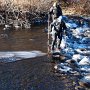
[{"x": 23, "y": 40}]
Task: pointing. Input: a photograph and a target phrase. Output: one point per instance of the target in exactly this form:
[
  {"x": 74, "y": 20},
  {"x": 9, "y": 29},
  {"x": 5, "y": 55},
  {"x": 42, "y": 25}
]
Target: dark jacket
[
  {"x": 55, "y": 12},
  {"x": 60, "y": 27}
]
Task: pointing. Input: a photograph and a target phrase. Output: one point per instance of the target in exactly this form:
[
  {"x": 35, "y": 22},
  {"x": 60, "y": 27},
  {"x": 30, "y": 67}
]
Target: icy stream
[{"x": 76, "y": 48}]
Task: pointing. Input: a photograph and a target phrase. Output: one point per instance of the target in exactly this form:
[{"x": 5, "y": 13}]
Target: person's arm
[
  {"x": 51, "y": 10},
  {"x": 64, "y": 27},
  {"x": 50, "y": 13}
]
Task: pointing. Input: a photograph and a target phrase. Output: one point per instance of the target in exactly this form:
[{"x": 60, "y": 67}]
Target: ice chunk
[
  {"x": 71, "y": 25},
  {"x": 85, "y": 68},
  {"x": 62, "y": 67},
  {"x": 63, "y": 43},
  {"x": 19, "y": 55},
  {"x": 77, "y": 57},
  {"x": 85, "y": 61}
]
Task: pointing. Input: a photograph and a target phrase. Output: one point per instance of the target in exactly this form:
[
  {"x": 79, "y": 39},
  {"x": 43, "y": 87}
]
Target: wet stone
[
  {"x": 85, "y": 81},
  {"x": 62, "y": 67}
]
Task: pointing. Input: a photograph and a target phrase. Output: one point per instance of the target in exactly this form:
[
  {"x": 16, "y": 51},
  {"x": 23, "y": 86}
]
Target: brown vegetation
[{"x": 68, "y": 6}]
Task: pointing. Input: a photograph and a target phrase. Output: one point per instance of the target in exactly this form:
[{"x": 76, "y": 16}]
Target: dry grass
[
  {"x": 80, "y": 7},
  {"x": 37, "y": 4}
]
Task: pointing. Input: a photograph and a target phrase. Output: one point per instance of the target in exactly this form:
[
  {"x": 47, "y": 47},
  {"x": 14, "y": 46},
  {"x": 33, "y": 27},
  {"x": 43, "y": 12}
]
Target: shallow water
[
  {"x": 20, "y": 44},
  {"x": 23, "y": 40}
]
